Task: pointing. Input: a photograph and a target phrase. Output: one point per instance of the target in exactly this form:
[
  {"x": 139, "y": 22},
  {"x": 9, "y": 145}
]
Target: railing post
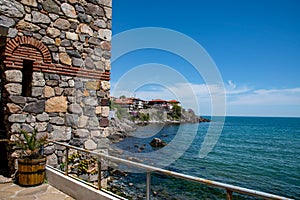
[
  {"x": 148, "y": 185},
  {"x": 67, "y": 161},
  {"x": 99, "y": 173},
  {"x": 228, "y": 195}
]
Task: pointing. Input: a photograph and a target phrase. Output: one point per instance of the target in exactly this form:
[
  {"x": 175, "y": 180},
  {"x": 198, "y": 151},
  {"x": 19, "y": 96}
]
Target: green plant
[{"x": 30, "y": 144}]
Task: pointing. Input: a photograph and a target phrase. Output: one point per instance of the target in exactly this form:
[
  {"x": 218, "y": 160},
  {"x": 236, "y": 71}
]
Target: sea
[{"x": 260, "y": 153}]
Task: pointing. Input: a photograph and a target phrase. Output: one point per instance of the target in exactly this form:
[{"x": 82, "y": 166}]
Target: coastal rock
[{"x": 156, "y": 142}]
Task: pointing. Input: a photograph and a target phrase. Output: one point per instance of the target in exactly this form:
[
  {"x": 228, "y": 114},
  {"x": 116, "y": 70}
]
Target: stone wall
[{"x": 65, "y": 44}]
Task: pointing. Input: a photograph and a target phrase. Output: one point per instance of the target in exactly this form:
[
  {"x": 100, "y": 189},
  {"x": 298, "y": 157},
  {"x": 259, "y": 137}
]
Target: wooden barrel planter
[{"x": 31, "y": 172}]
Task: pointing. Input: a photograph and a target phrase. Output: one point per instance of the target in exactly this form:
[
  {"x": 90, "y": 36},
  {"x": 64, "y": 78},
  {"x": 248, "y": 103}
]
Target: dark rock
[
  {"x": 51, "y": 6},
  {"x": 94, "y": 10},
  {"x": 18, "y": 100},
  {"x": 71, "y": 120},
  {"x": 80, "y": 9},
  {"x": 53, "y": 48},
  {"x": 75, "y": 108},
  {"x": 36, "y": 107},
  {"x": 65, "y": 43},
  {"x": 76, "y": 142},
  {"x": 156, "y": 142},
  {"x": 89, "y": 111},
  {"x": 53, "y": 77},
  {"x": 77, "y": 62},
  {"x": 94, "y": 41},
  {"x": 104, "y": 122},
  {"x": 105, "y": 102},
  {"x": 82, "y": 17},
  {"x": 89, "y": 63},
  {"x": 74, "y": 53}
]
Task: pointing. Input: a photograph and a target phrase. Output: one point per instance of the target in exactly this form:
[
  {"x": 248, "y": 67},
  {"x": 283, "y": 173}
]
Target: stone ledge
[{"x": 76, "y": 189}]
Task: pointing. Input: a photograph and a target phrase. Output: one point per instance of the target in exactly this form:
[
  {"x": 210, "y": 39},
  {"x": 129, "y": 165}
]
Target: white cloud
[{"x": 198, "y": 97}]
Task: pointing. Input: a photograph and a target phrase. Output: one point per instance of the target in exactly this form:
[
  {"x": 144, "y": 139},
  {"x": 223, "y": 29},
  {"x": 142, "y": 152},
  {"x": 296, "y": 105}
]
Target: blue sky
[{"x": 254, "y": 44}]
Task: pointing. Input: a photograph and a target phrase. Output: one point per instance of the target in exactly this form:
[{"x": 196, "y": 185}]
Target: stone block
[
  {"x": 57, "y": 104},
  {"x": 105, "y": 85},
  {"x": 35, "y": 107},
  {"x": 90, "y": 145},
  {"x": 42, "y": 117},
  {"x": 57, "y": 120},
  {"x": 93, "y": 85},
  {"x": 93, "y": 122},
  {"x": 83, "y": 121},
  {"x": 49, "y": 92},
  {"x": 68, "y": 10},
  {"x": 75, "y": 109},
  {"x": 36, "y": 91},
  {"x": 40, "y": 127},
  {"x": 71, "y": 120},
  {"x": 13, "y": 76},
  {"x": 13, "y": 88},
  {"x": 82, "y": 133},
  {"x": 105, "y": 111},
  {"x": 17, "y": 118},
  {"x": 38, "y": 79},
  {"x": 13, "y": 108}
]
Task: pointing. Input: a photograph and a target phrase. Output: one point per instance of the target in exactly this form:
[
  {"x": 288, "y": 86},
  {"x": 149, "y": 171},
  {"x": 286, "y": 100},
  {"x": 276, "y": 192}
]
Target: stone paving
[{"x": 42, "y": 192}]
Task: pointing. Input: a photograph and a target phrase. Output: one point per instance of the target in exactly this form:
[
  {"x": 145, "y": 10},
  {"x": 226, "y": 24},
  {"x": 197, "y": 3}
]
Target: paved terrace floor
[{"x": 42, "y": 192}]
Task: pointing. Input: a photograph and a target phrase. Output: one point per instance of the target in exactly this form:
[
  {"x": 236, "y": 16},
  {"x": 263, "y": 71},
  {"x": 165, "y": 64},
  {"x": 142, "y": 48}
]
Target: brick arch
[{"x": 25, "y": 43}]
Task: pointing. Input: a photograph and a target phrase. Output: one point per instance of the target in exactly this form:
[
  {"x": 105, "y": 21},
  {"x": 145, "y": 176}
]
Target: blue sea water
[{"x": 260, "y": 153}]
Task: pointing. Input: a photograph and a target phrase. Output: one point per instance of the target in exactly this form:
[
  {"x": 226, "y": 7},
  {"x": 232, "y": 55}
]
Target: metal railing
[{"x": 230, "y": 189}]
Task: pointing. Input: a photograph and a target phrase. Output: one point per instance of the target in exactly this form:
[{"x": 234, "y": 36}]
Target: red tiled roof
[
  {"x": 174, "y": 101},
  {"x": 158, "y": 100}
]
